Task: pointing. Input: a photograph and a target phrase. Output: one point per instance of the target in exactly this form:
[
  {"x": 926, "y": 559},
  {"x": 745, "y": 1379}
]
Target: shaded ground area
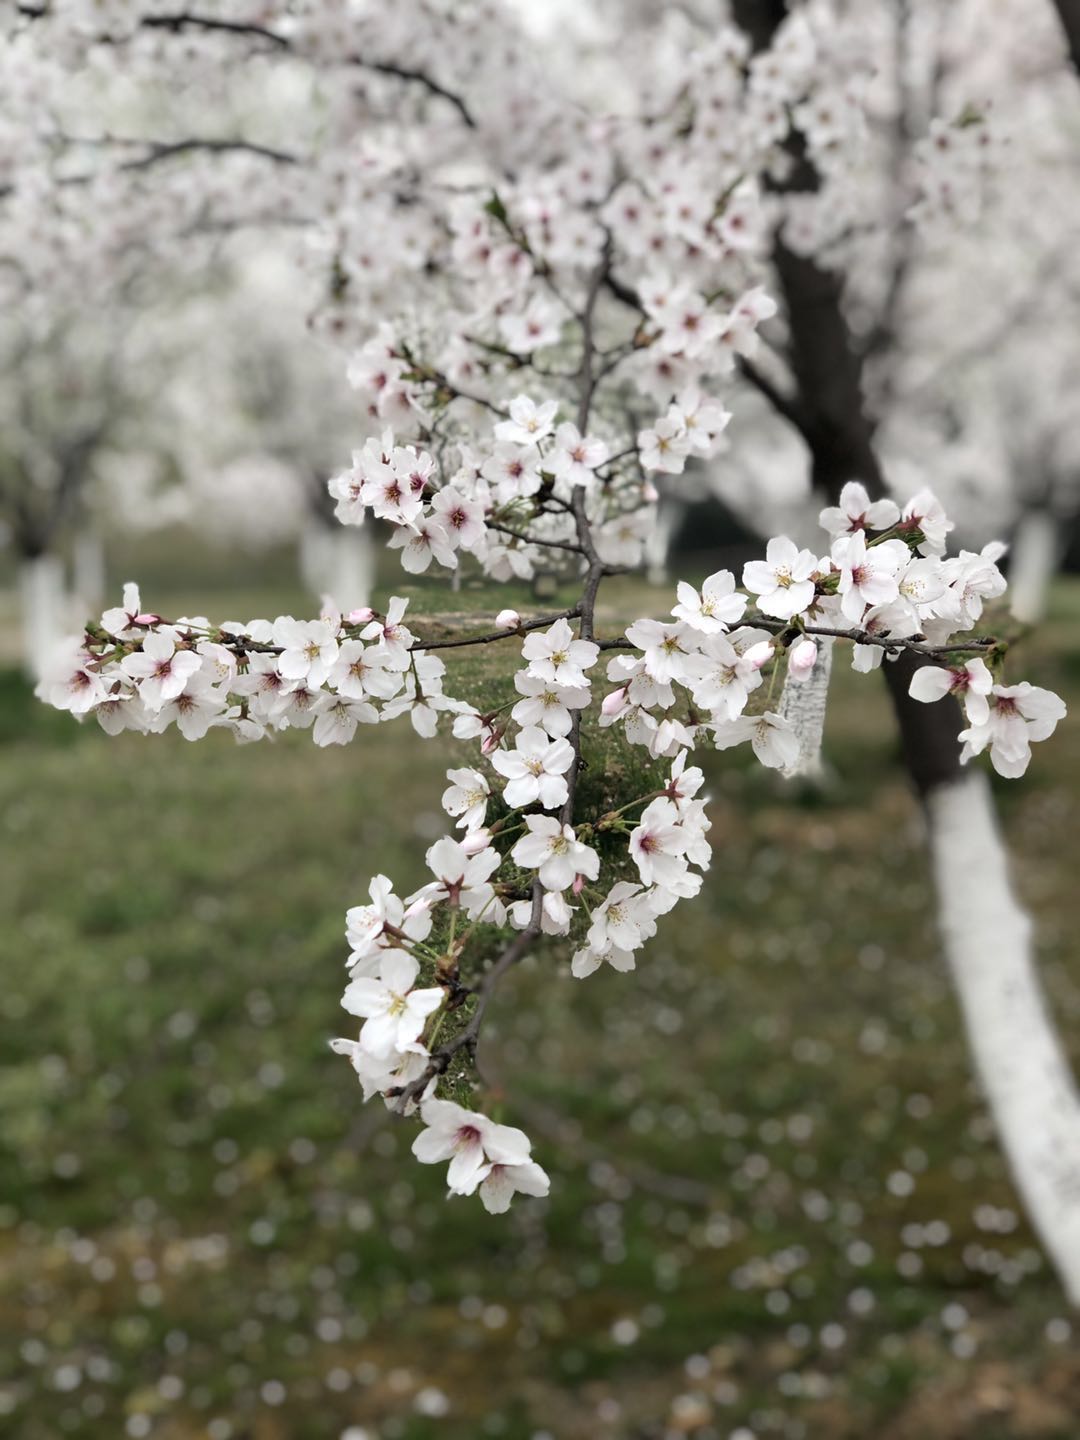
[{"x": 777, "y": 1206}]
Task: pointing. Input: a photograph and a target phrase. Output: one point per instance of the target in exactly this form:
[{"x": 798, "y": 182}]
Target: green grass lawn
[{"x": 777, "y": 1206}]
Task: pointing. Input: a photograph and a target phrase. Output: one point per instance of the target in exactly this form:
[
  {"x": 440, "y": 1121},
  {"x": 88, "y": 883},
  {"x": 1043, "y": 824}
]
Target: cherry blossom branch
[
  {"x": 467, "y": 1037},
  {"x": 420, "y": 77},
  {"x": 535, "y": 539},
  {"x": 181, "y": 20},
  {"x": 167, "y": 150},
  {"x": 243, "y": 644},
  {"x": 540, "y": 623},
  {"x": 187, "y": 19},
  {"x": 886, "y": 642},
  {"x": 585, "y": 613},
  {"x": 859, "y": 637}
]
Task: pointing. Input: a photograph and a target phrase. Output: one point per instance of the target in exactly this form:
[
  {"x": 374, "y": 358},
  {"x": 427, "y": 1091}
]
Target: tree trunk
[
  {"x": 1069, "y": 10},
  {"x": 338, "y": 563},
  {"x": 1021, "y": 1064},
  {"x": 88, "y": 571},
  {"x": 667, "y": 518},
  {"x": 985, "y": 932},
  {"x": 43, "y": 610},
  {"x": 1034, "y": 559}
]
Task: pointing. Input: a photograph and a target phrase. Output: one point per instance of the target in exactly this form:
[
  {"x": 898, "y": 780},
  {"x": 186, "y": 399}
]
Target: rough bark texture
[
  {"x": 828, "y": 373},
  {"x": 804, "y": 703}
]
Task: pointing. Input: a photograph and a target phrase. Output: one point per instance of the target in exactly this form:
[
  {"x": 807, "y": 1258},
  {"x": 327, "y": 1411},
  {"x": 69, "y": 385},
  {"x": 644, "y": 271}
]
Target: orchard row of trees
[{"x": 560, "y": 266}]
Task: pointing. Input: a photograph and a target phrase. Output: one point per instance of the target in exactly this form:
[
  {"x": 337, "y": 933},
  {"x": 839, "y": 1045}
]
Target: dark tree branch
[
  {"x": 169, "y": 149},
  {"x": 535, "y": 540},
  {"x": 181, "y": 20},
  {"x": 467, "y": 1037},
  {"x": 1069, "y": 13},
  {"x": 786, "y": 406},
  {"x": 188, "y": 20},
  {"x": 419, "y": 77}
]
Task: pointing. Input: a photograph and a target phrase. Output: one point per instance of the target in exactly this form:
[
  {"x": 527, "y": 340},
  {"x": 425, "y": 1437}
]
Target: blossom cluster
[
  {"x": 137, "y": 671},
  {"x": 526, "y": 855},
  {"x": 885, "y": 579}
]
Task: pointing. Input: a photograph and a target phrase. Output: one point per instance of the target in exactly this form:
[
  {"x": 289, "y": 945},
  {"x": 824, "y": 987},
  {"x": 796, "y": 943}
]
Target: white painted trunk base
[
  {"x": 1019, "y": 1059},
  {"x": 338, "y": 563},
  {"x": 804, "y": 703},
  {"x": 88, "y": 573},
  {"x": 1036, "y": 550},
  {"x": 667, "y": 518},
  {"x": 44, "y": 617}
]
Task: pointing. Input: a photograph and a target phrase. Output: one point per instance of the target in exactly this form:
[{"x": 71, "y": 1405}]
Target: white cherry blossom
[
  {"x": 658, "y": 844},
  {"x": 557, "y": 656},
  {"x": 869, "y": 574},
  {"x": 574, "y": 456},
  {"x": 395, "y": 1012},
  {"x": 467, "y": 798},
  {"x": 772, "y": 738},
  {"x": 160, "y": 670},
  {"x": 971, "y": 681},
  {"x": 782, "y": 581},
  {"x": 528, "y": 423},
  {"x": 367, "y": 925},
  {"x": 309, "y": 649},
  {"x": 554, "y": 850},
  {"x": 856, "y": 511},
  {"x": 535, "y": 769},
  {"x": 546, "y": 704},
  {"x": 714, "y": 608},
  {"x": 470, "y": 1141}
]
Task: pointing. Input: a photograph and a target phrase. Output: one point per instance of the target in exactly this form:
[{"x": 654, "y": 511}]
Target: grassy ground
[{"x": 777, "y": 1206}]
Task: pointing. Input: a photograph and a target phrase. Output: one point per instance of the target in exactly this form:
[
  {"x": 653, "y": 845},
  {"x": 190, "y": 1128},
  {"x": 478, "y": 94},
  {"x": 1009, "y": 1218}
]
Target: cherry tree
[
  {"x": 64, "y": 397},
  {"x": 546, "y": 303}
]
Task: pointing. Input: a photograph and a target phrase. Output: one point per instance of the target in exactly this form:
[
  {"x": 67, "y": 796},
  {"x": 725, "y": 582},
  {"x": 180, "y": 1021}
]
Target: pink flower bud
[
  {"x": 613, "y": 703},
  {"x": 149, "y": 619},
  {"x": 579, "y": 884},
  {"x": 508, "y": 620},
  {"x": 649, "y": 492},
  {"x": 759, "y": 654},
  {"x": 491, "y": 740},
  {"x": 801, "y": 660},
  {"x": 360, "y": 617},
  {"x": 475, "y": 841}
]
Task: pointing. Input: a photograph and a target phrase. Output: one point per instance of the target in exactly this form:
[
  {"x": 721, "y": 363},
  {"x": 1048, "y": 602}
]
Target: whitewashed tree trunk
[
  {"x": 338, "y": 563},
  {"x": 1020, "y": 1061},
  {"x": 667, "y": 518},
  {"x": 804, "y": 704},
  {"x": 88, "y": 572},
  {"x": 1036, "y": 552},
  {"x": 43, "y": 609}
]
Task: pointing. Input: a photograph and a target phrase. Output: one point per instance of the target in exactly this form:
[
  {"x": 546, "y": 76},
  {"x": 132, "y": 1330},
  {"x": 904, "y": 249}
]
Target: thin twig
[{"x": 535, "y": 540}]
